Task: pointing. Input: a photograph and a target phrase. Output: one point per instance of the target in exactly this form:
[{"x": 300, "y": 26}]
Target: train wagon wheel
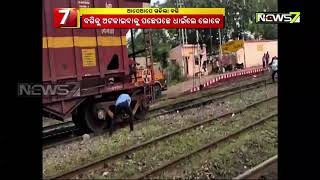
[{"x": 87, "y": 120}]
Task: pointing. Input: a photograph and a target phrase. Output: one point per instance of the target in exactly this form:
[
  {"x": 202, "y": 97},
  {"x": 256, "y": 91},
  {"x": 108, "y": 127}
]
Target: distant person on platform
[
  {"x": 123, "y": 103},
  {"x": 267, "y": 58},
  {"x": 264, "y": 60},
  {"x": 218, "y": 65},
  {"x": 274, "y": 67}
]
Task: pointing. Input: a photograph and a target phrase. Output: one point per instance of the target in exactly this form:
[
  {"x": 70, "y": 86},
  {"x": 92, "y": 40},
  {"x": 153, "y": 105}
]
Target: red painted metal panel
[
  {"x": 45, "y": 53},
  {"x": 107, "y": 52},
  {"x": 83, "y": 71},
  {"x": 64, "y": 63},
  {"x": 62, "y": 60}
]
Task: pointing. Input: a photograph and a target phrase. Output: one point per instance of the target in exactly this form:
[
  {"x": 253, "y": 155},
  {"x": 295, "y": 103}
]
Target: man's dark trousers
[{"x": 127, "y": 109}]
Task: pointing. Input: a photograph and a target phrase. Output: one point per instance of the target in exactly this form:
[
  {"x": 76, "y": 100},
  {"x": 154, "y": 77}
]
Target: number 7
[{"x": 66, "y": 14}]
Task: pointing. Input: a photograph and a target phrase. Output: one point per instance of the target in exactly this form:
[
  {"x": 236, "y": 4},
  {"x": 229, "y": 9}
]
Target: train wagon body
[{"x": 92, "y": 64}]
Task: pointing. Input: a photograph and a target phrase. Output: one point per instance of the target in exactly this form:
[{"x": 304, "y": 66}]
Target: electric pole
[
  {"x": 184, "y": 39},
  {"x": 198, "y": 55},
  {"x": 220, "y": 44}
]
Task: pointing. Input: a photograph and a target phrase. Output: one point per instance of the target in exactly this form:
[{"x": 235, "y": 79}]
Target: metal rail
[
  {"x": 202, "y": 148},
  {"x": 208, "y": 98},
  {"x": 258, "y": 170},
  {"x": 177, "y": 104},
  {"x": 55, "y": 127},
  {"x": 102, "y": 161},
  {"x": 191, "y": 103}
]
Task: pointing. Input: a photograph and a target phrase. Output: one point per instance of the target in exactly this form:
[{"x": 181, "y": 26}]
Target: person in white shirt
[{"x": 274, "y": 67}]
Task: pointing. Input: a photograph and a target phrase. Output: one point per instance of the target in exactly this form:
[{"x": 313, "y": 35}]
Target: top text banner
[{"x": 93, "y": 18}]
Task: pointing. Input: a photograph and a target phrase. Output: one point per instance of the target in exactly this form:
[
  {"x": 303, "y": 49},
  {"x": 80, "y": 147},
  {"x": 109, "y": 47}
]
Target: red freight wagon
[{"x": 92, "y": 63}]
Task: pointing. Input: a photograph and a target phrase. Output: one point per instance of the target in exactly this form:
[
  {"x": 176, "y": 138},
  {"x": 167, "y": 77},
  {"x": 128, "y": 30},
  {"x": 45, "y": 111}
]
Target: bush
[{"x": 174, "y": 71}]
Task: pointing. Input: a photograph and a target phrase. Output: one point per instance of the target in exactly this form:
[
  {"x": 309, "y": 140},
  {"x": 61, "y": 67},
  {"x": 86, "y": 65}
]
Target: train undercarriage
[{"x": 94, "y": 114}]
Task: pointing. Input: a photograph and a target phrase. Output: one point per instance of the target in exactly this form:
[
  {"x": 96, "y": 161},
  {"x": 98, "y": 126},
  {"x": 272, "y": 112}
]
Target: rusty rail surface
[
  {"x": 184, "y": 105},
  {"x": 202, "y": 148},
  {"x": 169, "y": 106},
  {"x": 100, "y": 162},
  {"x": 258, "y": 170},
  {"x": 203, "y": 100}
]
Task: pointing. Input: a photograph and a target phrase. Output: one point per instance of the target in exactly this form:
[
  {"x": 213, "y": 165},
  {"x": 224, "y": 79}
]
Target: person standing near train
[
  {"x": 218, "y": 66},
  {"x": 264, "y": 60},
  {"x": 274, "y": 67},
  {"x": 267, "y": 59}
]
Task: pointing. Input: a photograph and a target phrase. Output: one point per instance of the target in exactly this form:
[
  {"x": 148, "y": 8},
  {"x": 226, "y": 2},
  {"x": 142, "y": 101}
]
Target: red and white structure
[{"x": 228, "y": 76}]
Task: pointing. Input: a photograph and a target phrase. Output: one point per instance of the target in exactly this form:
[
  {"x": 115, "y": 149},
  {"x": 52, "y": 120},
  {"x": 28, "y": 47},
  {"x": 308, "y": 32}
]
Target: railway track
[
  {"x": 101, "y": 162},
  {"x": 202, "y": 148},
  {"x": 179, "y": 106},
  {"x": 190, "y": 103},
  {"x": 260, "y": 170},
  {"x": 50, "y": 131},
  {"x": 208, "y": 98}
]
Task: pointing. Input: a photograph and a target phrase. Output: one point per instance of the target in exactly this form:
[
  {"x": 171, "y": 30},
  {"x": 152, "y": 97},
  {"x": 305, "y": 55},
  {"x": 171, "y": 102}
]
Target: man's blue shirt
[{"x": 123, "y": 98}]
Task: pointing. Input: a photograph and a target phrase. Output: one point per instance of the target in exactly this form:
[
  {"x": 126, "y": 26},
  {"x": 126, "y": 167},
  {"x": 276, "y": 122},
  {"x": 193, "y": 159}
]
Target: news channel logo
[{"x": 276, "y": 17}]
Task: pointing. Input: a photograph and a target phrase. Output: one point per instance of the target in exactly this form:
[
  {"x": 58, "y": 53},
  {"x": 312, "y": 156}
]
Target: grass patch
[
  {"x": 231, "y": 158},
  {"x": 66, "y": 157},
  {"x": 156, "y": 154}
]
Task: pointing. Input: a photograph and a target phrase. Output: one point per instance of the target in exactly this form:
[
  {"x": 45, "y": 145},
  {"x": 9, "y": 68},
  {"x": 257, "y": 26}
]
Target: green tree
[
  {"x": 161, "y": 45},
  {"x": 160, "y": 54},
  {"x": 239, "y": 17},
  {"x": 174, "y": 75}
]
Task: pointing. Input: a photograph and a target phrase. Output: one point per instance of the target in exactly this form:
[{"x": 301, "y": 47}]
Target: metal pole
[
  {"x": 182, "y": 46},
  {"x": 182, "y": 52},
  {"x": 220, "y": 54},
  {"x": 211, "y": 43},
  {"x": 198, "y": 56},
  {"x": 186, "y": 36},
  {"x": 220, "y": 44},
  {"x": 132, "y": 43},
  {"x": 244, "y": 55},
  {"x": 211, "y": 50},
  {"x": 244, "y": 52},
  {"x": 193, "y": 75}
]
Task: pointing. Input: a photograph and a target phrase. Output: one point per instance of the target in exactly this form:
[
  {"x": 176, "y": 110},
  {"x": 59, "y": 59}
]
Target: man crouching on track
[{"x": 122, "y": 104}]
